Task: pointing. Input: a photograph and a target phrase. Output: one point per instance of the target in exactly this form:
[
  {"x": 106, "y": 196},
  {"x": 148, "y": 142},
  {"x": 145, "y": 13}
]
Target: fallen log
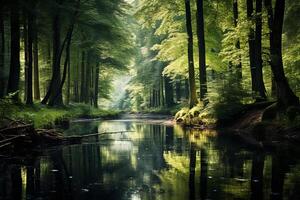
[
  {"x": 16, "y": 129},
  {"x": 11, "y": 139}
]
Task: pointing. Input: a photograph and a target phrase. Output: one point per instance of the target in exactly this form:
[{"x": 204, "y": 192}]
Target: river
[{"x": 154, "y": 161}]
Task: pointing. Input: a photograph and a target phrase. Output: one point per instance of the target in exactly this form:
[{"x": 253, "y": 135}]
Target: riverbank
[
  {"x": 49, "y": 117},
  {"x": 259, "y": 125}
]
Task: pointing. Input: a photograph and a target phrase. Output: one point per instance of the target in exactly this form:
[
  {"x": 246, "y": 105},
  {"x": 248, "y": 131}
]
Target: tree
[
  {"x": 2, "y": 51},
  {"x": 192, "y": 85},
  {"x": 36, "y": 75},
  {"x": 258, "y": 51},
  {"x": 285, "y": 95},
  {"x": 254, "y": 39},
  {"x": 201, "y": 49},
  {"x": 30, "y": 34},
  {"x": 14, "y": 72}
]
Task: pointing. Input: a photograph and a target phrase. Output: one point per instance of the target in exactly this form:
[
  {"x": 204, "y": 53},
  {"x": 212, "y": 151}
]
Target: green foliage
[{"x": 44, "y": 116}]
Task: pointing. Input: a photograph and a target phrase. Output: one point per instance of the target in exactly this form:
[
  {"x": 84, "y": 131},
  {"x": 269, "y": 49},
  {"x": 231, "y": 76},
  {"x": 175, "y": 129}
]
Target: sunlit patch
[{"x": 135, "y": 196}]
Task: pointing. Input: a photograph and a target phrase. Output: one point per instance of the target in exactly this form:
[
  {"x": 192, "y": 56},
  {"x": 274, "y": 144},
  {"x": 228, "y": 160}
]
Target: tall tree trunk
[
  {"x": 57, "y": 52},
  {"x": 162, "y": 100},
  {"x": 76, "y": 79},
  {"x": 35, "y": 50},
  {"x": 14, "y": 72},
  {"x": 251, "y": 41},
  {"x": 201, "y": 49},
  {"x": 285, "y": 95},
  {"x": 237, "y": 45},
  {"x": 56, "y": 61},
  {"x": 96, "y": 92},
  {"x": 82, "y": 81},
  {"x": 66, "y": 64},
  {"x": 2, "y": 52},
  {"x": 258, "y": 51},
  {"x": 25, "y": 38},
  {"x": 87, "y": 77},
  {"x": 269, "y": 8},
  {"x": 192, "y": 85},
  {"x": 29, "y": 97},
  {"x": 68, "y": 78}
]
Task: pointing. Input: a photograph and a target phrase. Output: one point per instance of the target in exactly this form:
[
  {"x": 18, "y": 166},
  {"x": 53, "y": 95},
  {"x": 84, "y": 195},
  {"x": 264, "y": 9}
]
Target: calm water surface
[{"x": 152, "y": 162}]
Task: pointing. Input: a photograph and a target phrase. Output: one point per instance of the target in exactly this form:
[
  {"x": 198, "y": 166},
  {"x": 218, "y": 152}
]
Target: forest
[{"x": 226, "y": 68}]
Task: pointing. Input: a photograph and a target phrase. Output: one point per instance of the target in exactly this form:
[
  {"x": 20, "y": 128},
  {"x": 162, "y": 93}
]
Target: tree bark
[
  {"x": 82, "y": 81},
  {"x": 57, "y": 53},
  {"x": 29, "y": 97},
  {"x": 14, "y": 73},
  {"x": 191, "y": 70},
  {"x": 96, "y": 92},
  {"x": 285, "y": 95},
  {"x": 258, "y": 51},
  {"x": 36, "y": 76},
  {"x": 2, "y": 52},
  {"x": 87, "y": 78},
  {"x": 25, "y": 39},
  {"x": 68, "y": 78},
  {"x": 251, "y": 41},
  {"x": 56, "y": 78},
  {"x": 201, "y": 49}
]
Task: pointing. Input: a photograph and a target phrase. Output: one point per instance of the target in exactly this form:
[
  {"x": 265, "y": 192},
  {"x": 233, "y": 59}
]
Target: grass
[{"x": 44, "y": 116}]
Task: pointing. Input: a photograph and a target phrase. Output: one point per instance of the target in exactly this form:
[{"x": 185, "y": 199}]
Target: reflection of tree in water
[{"x": 156, "y": 162}]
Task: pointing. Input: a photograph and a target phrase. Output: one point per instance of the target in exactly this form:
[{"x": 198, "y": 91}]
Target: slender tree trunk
[
  {"x": 82, "y": 82},
  {"x": 162, "y": 101},
  {"x": 202, "y": 51},
  {"x": 76, "y": 79},
  {"x": 251, "y": 41},
  {"x": 96, "y": 92},
  {"x": 25, "y": 37},
  {"x": 36, "y": 75},
  {"x": 2, "y": 52},
  {"x": 66, "y": 64},
  {"x": 57, "y": 52},
  {"x": 258, "y": 51},
  {"x": 68, "y": 77},
  {"x": 285, "y": 95},
  {"x": 237, "y": 45},
  {"x": 87, "y": 77},
  {"x": 56, "y": 62},
  {"x": 192, "y": 85},
  {"x": 29, "y": 97},
  {"x": 14, "y": 73}
]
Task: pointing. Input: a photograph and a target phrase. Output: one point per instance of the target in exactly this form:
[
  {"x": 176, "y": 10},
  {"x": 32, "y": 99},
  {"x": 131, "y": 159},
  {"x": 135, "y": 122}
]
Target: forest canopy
[{"x": 150, "y": 55}]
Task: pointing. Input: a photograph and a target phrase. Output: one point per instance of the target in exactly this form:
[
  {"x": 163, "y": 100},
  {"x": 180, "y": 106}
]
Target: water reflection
[{"x": 153, "y": 162}]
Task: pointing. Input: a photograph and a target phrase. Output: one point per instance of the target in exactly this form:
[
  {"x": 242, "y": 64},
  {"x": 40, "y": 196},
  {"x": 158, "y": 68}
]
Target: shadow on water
[{"x": 153, "y": 162}]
